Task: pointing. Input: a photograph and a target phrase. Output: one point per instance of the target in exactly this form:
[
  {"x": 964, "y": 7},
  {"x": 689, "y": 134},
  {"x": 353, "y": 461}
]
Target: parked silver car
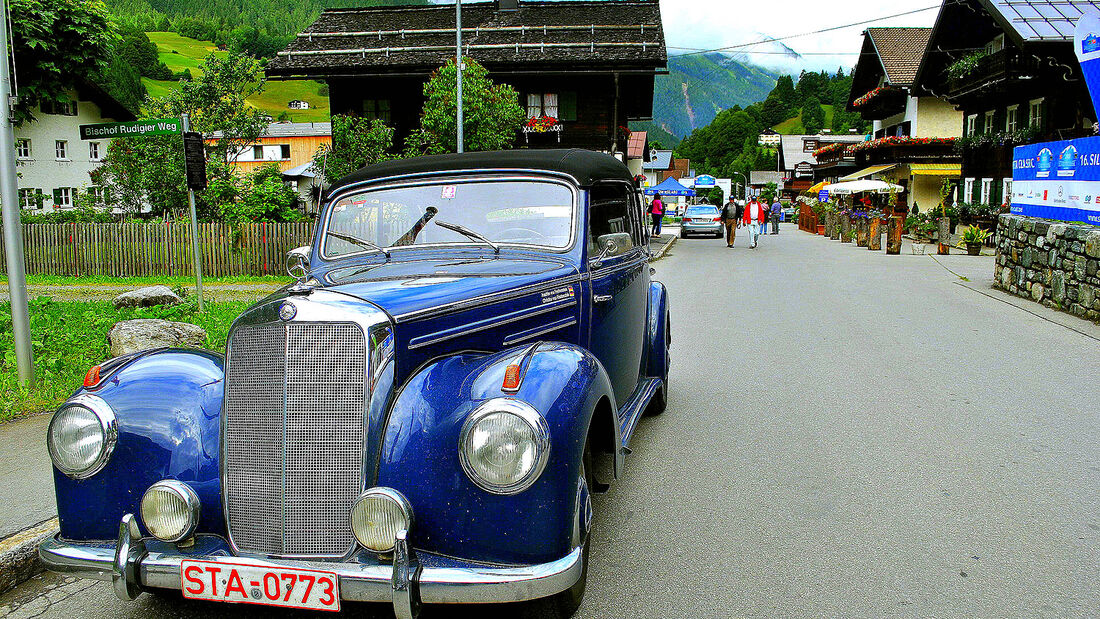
[{"x": 703, "y": 219}]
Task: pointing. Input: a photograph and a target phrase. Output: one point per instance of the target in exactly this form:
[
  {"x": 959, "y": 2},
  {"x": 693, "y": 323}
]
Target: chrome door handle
[{"x": 602, "y": 298}]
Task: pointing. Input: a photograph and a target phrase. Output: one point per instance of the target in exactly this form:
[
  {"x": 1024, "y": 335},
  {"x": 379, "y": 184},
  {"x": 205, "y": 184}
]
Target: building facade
[
  {"x": 914, "y": 134},
  {"x": 1011, "y": 71},
  {"x": 583, "y": 70},
  {"x": 53, "y": 164},
  {"x": 285, "y": 144},
  {"x": 799, "y": 165}
]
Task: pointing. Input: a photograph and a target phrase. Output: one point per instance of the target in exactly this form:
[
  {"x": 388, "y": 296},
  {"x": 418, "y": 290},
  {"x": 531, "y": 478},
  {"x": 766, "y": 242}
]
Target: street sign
[
  {"x": 823, "y": 195},
  {"x": 705, "y": 180},
  {"x": 155, "y": 126},
  {"x": 194, "y": 156}
]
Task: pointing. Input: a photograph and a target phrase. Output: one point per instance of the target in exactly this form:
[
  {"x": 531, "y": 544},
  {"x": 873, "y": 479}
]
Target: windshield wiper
[
  {"x": 468, "y": 233},
  {"x": 360, "y": 242},
  {"x": 410, "y": 237}
]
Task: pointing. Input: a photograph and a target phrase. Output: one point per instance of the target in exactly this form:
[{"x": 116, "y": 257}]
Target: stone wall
[{"x": 1050, "y": 262}]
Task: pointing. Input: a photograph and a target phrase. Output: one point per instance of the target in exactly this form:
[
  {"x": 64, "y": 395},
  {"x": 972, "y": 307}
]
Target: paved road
[
  {"x": 849, "y": 434},
  {"x": 26, "y": 476}
]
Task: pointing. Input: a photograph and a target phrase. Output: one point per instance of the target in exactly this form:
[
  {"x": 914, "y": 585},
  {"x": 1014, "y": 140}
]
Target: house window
[
  {"x": 61, "y": 149},
  {"x": 284, "y": 151},
  {"x": 972, "y": 124},
  {"x": 968, "y": 190},
  {"x": 28, "y": 198},
  {"x": 1010, "y": 118},
  {"x": 996, "y": 45},
  {"x": 1006, "y": 191},
  {"x": 63, "y": 197},
  {"x": 377, "y": 109},
  {"x": 1035, "y": 114},
  {"x": 257, "y": 153},
  {"x": 63, "y": 108},
  {"x": 809, "y": 146},
  {"x": 987, "y": 127},
  {"x": 93, "y": 151},
  {"x": 987, "y": 190},
  {"x": 23, "y": 148},
  {"x": 553, "y": 105},
  {"x": 99, "y": 195}
]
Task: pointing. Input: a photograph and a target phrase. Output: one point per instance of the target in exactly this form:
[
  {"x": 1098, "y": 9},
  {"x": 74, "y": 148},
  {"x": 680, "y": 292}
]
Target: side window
[{"x": 610, "y": 213}]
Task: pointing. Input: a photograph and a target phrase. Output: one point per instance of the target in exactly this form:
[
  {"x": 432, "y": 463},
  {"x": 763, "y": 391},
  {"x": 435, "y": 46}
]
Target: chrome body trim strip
[
  {"x": 359, "y": 581},
  {"x": 523, "y": 336},
  {"x": 488, "y": 323},
  {"x": 485, "y": 299}
]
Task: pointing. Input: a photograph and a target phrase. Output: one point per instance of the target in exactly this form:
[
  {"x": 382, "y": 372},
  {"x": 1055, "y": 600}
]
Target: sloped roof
[
  {"x": 619, "y": 34},
  {"x": 900, "y": 50},
  {"x": 637, "y": 146},
  {"x": 1035, "y": 21},
  {"x": 763, "y": 177},
  {"x": 662, "y": 160}
]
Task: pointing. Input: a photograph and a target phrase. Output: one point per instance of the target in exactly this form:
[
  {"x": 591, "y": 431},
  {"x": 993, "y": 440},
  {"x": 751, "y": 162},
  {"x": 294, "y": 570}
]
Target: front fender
[
  {"x": 168, "y": 405},
  {"x": 657, "y": 331},
  {"x": 452, "y": 515}
]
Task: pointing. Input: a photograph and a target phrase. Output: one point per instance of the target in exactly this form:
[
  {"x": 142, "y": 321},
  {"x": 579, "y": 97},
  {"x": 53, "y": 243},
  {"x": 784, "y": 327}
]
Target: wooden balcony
[{"x": 1003, "y": 67}]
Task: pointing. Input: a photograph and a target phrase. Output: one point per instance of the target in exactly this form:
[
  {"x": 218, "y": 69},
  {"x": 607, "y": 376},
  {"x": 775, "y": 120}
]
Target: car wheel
[
  {"x": 683, "y": 234},
  {"x": 566, "y": 603}
]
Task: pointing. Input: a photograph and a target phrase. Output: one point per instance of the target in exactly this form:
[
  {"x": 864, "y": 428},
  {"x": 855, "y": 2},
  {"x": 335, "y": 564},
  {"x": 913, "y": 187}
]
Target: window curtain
[
  {"x": 550, "y": 105},
  {"x": 534, "y": 106}
]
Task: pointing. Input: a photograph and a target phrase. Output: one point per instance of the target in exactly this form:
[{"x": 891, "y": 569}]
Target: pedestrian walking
[
  {"x": 777, "y": 214},
  {"x": 755, "y": 215},
  {"x": 767, "y": 216},
  {"x": 657, "y": 213},
  {"x": 731, "y": 219}
]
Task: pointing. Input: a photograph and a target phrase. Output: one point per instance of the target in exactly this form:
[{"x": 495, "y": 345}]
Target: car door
[{"x": 617, "y": 295}]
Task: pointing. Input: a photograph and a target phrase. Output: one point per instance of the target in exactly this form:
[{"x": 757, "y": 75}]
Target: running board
[{"x": 631, "y": 411}]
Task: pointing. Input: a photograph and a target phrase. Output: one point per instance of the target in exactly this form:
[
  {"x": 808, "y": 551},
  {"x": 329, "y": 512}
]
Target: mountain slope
[{"x": 698, "y": 87}]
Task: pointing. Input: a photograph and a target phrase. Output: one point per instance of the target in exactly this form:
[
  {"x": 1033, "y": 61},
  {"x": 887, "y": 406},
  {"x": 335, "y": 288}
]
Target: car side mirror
[
  {"x": 611, "y": 245},
  {"x": 297, "y": 262}
]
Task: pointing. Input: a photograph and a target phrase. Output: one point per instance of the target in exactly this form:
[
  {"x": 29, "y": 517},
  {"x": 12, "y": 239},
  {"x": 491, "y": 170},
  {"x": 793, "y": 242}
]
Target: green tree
[
  {"x": 491, "y": 113},
  {"x": 57, "y": 43},
  {"x": 149, "y": 170},
  {"x": 356, "y": 143},
  {"x": 123, "y": 83},
  {"x": 813, "y": 115},
  {"x": 263, "y": 197}
]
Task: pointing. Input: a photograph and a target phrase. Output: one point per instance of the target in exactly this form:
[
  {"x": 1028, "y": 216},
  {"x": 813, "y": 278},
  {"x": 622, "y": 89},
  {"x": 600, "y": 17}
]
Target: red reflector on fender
[
  {"x": 91, "y": 379},
  {"x": 511, "y": 378}
]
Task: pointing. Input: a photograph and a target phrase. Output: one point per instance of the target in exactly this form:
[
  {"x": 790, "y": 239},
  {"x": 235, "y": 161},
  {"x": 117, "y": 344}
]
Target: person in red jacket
[{"x": 755, "y": 214}]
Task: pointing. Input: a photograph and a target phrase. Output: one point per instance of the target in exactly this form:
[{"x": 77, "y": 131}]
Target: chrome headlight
[
  {"x": 82, "y": 435},
  {"x": 377, "y": 517},
  {"x": 504, "y": 446},
  {"x": 170, "y": 510}
]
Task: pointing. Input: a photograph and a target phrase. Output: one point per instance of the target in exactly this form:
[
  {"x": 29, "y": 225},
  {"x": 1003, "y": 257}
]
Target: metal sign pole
[
  {"x": 13, "y": 231},
  {"x": 458, "y": 66},
  {"x": 194, "y": 227}
]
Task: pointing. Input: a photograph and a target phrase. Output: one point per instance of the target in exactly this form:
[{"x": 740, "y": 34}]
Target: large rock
[
  {"x": 143, "y": 334},
  {"x": 147, "y": 297}
]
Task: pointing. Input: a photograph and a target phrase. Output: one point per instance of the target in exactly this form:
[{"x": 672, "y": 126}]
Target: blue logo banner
[
  {"x": 1086, "y": 39},
  {"x": 1063, "y": 186}
]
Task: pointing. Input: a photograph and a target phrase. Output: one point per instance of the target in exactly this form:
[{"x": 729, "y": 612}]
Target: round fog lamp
[
  {"x": 170, "y": 510},
  {"x": 81, "y": 436},
  {"x": 377, "y": 516}
]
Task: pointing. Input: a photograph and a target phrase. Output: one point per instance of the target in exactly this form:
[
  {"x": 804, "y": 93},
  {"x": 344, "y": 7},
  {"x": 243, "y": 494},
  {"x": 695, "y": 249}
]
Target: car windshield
[
  {"x": 701, "y": 211},
  {"x": 483, "y": 212}
]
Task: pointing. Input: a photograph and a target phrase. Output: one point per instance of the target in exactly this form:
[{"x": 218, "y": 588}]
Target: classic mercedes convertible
[{"x": 420, "y": 418}]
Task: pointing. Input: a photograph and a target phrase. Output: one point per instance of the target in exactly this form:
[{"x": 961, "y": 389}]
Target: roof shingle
[{"x": 900, "y": 50}]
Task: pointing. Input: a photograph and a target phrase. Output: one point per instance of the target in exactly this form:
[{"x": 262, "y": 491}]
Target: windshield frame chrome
[{"x": 473, "y": 176}]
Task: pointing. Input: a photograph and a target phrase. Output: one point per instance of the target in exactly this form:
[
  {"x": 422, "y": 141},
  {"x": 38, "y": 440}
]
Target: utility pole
[
  {"x": 13, "y": 231},
  {"x": 458, "y": 66}
]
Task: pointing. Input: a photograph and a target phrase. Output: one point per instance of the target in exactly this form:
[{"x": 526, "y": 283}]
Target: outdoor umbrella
[
  {"x": 816, "y": 189},
  {"x": 843, "y": 189},
  {"x": 671, "y": 187}
]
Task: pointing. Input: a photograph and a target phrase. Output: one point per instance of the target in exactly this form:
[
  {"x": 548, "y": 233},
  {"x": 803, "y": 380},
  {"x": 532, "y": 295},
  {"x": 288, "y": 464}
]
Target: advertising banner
[
  {"x": 1058, "y": 180},
  {"x": 1086, "y": 41}
]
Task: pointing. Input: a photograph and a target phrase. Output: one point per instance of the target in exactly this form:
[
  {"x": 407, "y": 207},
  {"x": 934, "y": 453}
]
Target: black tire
[
  {"x": 683, "y": 234},
  {"x": 566, "y": 603}
]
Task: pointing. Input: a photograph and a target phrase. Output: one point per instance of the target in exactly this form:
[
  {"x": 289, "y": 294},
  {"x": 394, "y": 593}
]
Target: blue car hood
[{"x": 407, "y": 288}]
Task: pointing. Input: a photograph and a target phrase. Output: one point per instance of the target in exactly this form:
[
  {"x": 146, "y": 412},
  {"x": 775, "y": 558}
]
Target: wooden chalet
[
  {"x": 1009, "y": 66},
  {"x": 587, "y": 65}
]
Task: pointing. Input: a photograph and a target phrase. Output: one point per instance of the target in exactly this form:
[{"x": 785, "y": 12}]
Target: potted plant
[{"x": 973, "y": 238}]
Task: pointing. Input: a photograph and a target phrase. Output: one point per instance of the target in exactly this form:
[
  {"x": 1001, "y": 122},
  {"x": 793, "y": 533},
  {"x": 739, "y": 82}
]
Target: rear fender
[
  {"x": 452, "y": 515},
  {"x": 168, "y": 406}
]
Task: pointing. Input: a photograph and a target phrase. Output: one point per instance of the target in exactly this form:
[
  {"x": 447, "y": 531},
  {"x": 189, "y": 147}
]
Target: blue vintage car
[{"x": 420, "y": 418}]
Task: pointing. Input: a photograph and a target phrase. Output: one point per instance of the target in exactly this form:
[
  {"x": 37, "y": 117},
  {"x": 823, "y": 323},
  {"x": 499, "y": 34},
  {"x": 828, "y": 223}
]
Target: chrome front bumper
[{"x": 133, "y": 563}]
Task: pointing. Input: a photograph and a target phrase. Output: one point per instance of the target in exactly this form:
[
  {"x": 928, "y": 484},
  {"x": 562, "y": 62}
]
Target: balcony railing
[{"x": 1005, "y": 65}]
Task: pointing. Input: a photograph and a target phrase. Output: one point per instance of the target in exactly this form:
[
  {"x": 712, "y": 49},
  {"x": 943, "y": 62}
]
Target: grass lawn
[
  {"x": 793, "y": 126},
  {"x": 68, "y": 337},
  {"x": 181, "y": 53}
]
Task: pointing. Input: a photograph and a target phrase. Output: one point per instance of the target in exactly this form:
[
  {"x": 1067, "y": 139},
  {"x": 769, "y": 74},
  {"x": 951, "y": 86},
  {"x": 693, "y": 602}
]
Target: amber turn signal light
[
  {"x": 91, "y": 379},
  {"x": 511, "y": 378}
]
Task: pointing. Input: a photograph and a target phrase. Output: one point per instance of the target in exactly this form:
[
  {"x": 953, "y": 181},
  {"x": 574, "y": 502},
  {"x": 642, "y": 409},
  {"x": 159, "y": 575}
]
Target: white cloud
[{"x": 709, "y": 24}]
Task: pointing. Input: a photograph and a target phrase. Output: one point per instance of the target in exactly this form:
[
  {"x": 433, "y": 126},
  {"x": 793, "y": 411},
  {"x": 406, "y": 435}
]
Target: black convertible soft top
[{"x": 585, "y": 166}]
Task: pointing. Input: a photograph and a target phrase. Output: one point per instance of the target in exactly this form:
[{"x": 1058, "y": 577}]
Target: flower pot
[
  {"x": 862, "y": 232},
  {"x": 918, "y": 248},
  {"x": 893, "y": 235},
  {"x": 821, "y": 229},
  {"x": 974, "y": 249},
  {"x": 874, "y": 235}
]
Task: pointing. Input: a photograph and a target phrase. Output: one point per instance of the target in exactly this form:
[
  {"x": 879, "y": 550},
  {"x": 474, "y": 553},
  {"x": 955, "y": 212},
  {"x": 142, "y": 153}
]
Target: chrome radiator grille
[{"x": 294, "y": 422}]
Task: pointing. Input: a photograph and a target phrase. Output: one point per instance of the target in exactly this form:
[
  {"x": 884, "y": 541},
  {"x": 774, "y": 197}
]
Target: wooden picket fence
[{"x": 151, "y": 249}]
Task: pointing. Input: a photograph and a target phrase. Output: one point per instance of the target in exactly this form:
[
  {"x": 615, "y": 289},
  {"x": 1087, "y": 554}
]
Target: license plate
[{"x": 252, "y": 584}]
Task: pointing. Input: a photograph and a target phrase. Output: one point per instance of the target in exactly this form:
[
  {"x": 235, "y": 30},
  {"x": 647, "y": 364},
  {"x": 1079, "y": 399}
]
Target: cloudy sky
[{"x": 709, "y": 24}]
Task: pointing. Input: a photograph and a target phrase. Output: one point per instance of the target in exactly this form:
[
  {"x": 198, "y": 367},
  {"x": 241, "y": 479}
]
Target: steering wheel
[{"x": 504, "y": 233}]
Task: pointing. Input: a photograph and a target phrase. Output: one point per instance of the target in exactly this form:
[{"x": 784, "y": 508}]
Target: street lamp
[{"x": 745, "y": 193}]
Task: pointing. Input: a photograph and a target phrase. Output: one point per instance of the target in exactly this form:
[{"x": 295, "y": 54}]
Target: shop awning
[
  {"x": 936, "y": 169},
  {"x": 865, "y": 172}
]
